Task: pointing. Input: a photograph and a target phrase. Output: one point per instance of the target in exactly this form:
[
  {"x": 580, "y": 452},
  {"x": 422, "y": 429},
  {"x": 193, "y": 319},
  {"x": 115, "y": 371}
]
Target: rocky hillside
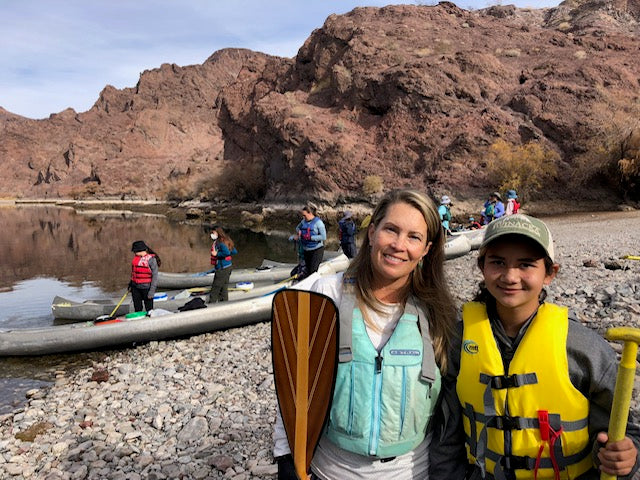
[{"x": 414, "y": 95}]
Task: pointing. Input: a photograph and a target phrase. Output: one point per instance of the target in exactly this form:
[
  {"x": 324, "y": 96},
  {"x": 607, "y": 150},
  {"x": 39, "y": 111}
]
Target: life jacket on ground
[
  {"x": 382, "y": 403},
  {"x": 531, "y": 419},
  {"x": 140, "y": 270}
]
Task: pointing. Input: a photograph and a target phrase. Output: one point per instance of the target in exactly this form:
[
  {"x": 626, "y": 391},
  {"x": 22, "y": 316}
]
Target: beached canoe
[
  {"x": 86, "y": 336},
  {"x": 67, "y": 309},
  {"x": 456, "y": 247},
  {"x": 475, "y": 237}
]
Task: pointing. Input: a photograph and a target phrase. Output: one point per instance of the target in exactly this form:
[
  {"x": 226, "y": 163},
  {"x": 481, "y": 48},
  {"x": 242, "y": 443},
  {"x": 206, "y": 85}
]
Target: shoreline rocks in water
[{"x": 203, "y": 407}]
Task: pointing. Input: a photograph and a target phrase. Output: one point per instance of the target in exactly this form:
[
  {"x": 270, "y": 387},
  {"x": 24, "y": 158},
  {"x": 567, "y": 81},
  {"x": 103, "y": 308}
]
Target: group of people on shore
[
  {"x": 515, "y": 389},
  {"x": 145, "y": 264},
  {"x": 493, "y": 209}
]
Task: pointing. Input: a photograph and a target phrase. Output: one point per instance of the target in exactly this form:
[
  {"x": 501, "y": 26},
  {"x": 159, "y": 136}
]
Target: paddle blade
[{"x": 304, "y": 344}]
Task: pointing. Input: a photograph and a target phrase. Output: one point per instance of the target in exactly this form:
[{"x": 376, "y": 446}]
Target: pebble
[{"x": 203, "y": 407}]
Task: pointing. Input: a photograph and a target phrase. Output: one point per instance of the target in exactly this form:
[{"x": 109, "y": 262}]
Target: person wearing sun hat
[
  {"x": 512, "y": 203},
  {"x": 493, "y": 208},
  {"x": 526, "y": 370},
  {"x": 444, "y": 210}
]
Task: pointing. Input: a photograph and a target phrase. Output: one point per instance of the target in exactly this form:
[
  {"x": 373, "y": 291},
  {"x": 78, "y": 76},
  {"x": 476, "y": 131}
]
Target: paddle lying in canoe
[{"x": 304, "y": 343}]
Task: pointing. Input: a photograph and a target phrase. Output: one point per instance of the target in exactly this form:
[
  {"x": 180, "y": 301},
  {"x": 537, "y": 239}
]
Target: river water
[{"x": 47, "y": 251}]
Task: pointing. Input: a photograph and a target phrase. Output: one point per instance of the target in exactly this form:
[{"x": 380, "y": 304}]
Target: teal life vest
[{"x": 382, "y": 403}]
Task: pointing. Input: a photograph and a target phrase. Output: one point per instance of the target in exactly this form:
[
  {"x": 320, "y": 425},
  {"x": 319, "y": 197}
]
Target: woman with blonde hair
[{"x": 398, "y": 316}]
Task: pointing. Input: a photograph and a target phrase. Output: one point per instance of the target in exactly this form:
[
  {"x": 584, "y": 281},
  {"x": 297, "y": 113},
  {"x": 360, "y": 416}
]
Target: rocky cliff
[{"x": 414, "y": 95}]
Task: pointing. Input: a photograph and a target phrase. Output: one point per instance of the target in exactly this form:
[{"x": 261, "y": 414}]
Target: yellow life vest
[{"x": 531, "y": 419}]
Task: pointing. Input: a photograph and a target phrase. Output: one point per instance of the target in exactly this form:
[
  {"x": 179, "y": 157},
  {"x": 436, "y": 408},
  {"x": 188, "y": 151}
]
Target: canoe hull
[{"x": 87, "y": 336}]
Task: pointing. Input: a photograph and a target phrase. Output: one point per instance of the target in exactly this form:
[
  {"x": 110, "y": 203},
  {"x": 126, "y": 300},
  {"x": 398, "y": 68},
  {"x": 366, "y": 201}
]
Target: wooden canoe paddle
[{"x": 304, "y": 345}]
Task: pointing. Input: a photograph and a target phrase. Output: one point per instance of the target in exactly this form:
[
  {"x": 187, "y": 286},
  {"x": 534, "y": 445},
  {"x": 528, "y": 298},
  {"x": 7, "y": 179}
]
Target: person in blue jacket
[
  {"x": 444, "y": 210},
  {"x": 493, "y": 208},
  {"x": 221, "y": 251},
  {"x": 347, "y": 231},
  {"x": 312, "y": 232}
]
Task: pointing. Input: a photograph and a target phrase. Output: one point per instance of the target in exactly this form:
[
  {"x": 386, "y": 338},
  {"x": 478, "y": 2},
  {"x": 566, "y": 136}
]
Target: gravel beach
[{"x": 203, "y": 407}]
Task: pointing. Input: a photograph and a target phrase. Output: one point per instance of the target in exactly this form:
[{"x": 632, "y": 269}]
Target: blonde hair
[{"x": 427, "y": 282}]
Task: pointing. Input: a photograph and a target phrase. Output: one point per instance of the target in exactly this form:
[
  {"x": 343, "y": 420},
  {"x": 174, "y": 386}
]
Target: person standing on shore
[
  {"x": 493, "y": 208},
  {"x": 312, "y": 232},
  {"x": 444, "y": 210},
  {"x": 512, "y": 203},
  {"x": 394, "y": 300},
  {"x": 222, "y": 249},
  {"x": 534, "y": 387},
  {"x": 347, "y": 232},
  {"x": 144, "y": 275}
]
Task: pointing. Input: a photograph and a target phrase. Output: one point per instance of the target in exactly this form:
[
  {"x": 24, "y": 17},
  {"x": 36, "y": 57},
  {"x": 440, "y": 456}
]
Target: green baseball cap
[{"x": 519, "y": 224}]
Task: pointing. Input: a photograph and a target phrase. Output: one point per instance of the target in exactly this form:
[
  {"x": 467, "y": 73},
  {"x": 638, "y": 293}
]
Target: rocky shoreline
[{"x": 202, "y": 408}]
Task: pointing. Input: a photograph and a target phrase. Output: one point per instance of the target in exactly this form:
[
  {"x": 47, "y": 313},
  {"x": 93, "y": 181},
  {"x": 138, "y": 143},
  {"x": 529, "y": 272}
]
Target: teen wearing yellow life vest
[
  {"x": 534, "y": 386},
  {"x": 395, "y": 304},
  {"x": 144, "y": 275}
]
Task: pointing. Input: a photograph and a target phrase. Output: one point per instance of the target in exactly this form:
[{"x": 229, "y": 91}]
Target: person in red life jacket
[
  {"x": 312, "y": 232},
  {"x": 473, "y": 224},
  {"x": 221, "y": 251},
  {"x": 144, "y": 275},
  {"x": 534, "y": 387}
]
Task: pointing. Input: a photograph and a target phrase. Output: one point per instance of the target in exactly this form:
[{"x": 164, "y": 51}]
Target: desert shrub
[
  {"x": 372, "y": 185},
  {"x": 177, "y": 190},
  {"x": 613, "y": 152},
  {"x": 244, "y": 182},
  {"x": 629, "y": 165},
  {"x": 338, "y": 126},
  {"x": 522, "y": 167}
]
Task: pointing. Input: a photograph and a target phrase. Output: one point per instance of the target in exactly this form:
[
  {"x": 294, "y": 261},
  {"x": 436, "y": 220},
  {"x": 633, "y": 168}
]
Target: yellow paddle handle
[{"x": 624, "y": 384}]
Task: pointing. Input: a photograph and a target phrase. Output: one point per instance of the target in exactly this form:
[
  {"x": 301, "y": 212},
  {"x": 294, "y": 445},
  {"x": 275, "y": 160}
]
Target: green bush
[{"x": 372, "y": 185}]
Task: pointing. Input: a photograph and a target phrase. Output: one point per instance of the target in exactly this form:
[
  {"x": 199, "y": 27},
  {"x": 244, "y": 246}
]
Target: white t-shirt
[{"x": 331, "y": 462}]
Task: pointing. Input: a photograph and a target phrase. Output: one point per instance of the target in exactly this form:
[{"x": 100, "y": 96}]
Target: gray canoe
[
  {"x": 88, "y": 336},
  {"x": 67, "y": 309},
  {"x": 63, "y": 308},
  {"x": 456, "y": 247},
  {"x": 475, "y": 237},
  {"x": 269, "y": 271}
]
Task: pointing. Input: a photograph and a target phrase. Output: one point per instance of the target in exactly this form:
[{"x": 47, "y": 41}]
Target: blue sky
[{"x": 61, "y": 53}]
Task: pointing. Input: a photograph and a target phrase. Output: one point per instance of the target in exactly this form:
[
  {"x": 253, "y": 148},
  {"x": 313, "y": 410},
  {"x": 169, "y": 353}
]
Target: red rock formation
[{"x": 412, "y": 94}]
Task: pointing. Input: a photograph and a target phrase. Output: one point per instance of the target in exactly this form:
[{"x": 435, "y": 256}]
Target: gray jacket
[{"x": 592, "y": 370}]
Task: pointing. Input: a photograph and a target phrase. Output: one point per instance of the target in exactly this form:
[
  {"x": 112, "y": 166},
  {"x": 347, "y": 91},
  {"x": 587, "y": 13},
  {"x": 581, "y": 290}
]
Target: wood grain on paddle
[{"x": 304, "y": 337}]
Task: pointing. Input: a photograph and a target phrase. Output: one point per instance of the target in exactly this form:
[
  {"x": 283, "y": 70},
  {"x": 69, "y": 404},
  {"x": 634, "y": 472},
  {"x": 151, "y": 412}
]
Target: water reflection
[{"x": 77, "y": 248}]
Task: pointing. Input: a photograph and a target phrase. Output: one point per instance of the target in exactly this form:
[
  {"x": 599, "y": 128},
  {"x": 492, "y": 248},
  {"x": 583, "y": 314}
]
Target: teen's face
[
  {"x": 398, "y": 243},
  {"x": 308, "y": 216},
  {"x": 514, "y": 273}
]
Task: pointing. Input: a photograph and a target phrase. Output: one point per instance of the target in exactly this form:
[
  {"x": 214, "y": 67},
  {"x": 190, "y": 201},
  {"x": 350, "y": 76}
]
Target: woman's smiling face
[{"x": 398, "y": 243}]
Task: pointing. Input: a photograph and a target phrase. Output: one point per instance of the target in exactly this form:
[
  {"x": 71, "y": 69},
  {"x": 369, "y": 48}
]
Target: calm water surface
[{"x": 47, "y": 251}]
